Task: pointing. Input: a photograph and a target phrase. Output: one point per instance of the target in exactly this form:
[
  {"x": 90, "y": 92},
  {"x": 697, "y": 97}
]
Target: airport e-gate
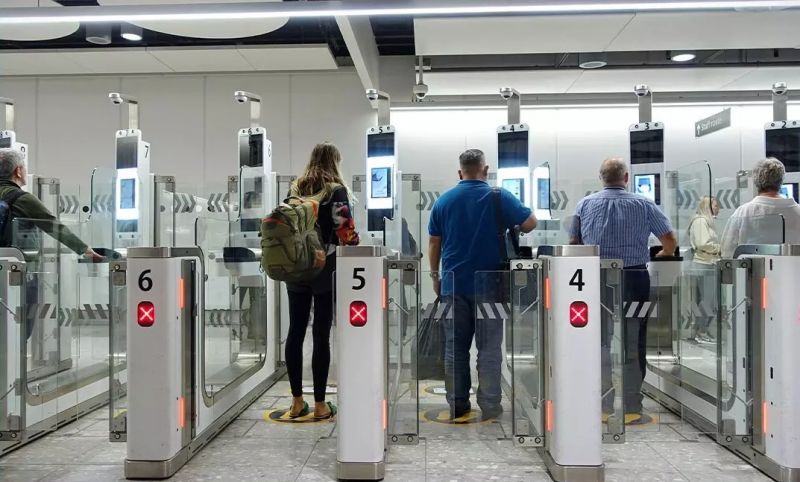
[{"x": 558, "y": 383}]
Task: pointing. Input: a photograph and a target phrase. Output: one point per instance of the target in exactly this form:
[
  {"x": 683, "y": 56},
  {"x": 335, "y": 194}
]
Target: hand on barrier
[{"x": 94, "y": 256}]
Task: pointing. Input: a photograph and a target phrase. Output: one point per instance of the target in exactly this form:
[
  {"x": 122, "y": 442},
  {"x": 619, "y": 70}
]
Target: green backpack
[{"x": 291, "y": 246}]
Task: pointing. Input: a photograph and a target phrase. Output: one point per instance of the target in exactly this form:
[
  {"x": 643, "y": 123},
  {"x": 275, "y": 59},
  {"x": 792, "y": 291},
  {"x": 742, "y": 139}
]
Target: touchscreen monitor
[
  {"x": 647, "y": 147},
  {"x": 648, "y": 185},
  {"x": 381, "y": 179},
  {"x": 127, "y": 198},
  {"x": 516, "y": 187}
]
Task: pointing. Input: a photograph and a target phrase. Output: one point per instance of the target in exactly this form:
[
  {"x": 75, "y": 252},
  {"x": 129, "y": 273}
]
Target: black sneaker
[
  {"x": 459, "y": 410},
  {"x": 489, "y": 413}
]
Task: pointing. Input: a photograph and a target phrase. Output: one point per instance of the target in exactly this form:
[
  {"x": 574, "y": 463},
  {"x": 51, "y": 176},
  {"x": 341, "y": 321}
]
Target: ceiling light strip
[{"x": 239, "y": 11}]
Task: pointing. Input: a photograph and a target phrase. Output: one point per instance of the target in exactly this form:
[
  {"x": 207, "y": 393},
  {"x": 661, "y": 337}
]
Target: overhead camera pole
[
  {"x": 384, "y": 103},
  {"x": 133, "y": 107},
  {"x": 242, "y": 96},
  {"x": 9, "y": 105},
  {"x": 514, "y": 102},
  {"x": 780, "y": 96},
  {"x": 645, "y": 98}
]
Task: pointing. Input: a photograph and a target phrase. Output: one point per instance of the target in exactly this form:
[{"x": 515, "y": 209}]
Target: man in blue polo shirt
[
  {"x": 620, "y": 223},
  {"x": 464, "y": 236}
]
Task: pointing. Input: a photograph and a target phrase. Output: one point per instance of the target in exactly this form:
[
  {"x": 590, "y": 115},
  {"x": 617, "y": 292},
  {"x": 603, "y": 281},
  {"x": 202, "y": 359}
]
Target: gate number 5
[
  {"x": 577, "y": 279},
  {"x": 360, "y": 281}
]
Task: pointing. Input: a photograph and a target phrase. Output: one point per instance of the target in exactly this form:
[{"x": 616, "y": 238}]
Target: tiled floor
[{"x": 252, "y": 448}]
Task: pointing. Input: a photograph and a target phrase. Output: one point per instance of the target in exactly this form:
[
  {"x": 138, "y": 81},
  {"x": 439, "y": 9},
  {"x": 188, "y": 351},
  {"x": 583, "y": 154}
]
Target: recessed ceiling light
[
  {"x": 99, "y": 34},
  {"x": 131, "y": 33},
  {"x": 592, "y": 60},
  {"x": 684, "y": 56}
]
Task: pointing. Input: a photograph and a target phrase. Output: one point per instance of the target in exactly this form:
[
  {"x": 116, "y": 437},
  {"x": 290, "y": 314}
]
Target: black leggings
[{"x": 299, "y": 311}]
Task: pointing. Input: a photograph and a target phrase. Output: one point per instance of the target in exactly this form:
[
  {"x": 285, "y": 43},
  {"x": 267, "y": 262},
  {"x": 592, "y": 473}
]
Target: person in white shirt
[
  {"x": 706, "y": 252},
  {"x": 768, "y": 218}
]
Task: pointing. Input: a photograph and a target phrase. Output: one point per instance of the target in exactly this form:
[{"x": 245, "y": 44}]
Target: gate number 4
[{"x": 577, "y": 279}]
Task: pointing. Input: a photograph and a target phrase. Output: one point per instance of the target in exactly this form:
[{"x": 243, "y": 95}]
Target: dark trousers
[
  {"x": 460, "y": 329},
  {"x": 635, "y": 290},
  {"x": 299, "y": 311}
]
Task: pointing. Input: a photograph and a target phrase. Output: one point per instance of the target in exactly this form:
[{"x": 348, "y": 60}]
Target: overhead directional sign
[{"x": 713, "y": 123}]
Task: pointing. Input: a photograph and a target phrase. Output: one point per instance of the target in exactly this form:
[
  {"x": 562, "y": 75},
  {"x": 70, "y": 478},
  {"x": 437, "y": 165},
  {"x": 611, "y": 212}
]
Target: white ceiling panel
[
  {"x": 762, "y": 78},
  {"x": 709, "y": 30},
  {"x": 516, "y": 35},
  {"x": 39, "y": 63},
  {"x": 206, "y": 28},
  {"x": 227, "y": 59},
  {"x": 489, "y": 83},
  {"x": 35, "y": 32},
  {"x": 659, "y": 80},
  {"x": 127, "y": 61},
  {"x": 290, "y": 57}
]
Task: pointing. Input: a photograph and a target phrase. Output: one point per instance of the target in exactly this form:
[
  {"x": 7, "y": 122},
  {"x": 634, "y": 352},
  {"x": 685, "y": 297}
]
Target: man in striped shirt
[{"x": 620, "y": 223}]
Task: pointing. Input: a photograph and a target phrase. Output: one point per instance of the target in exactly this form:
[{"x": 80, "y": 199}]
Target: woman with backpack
[
  {"x": 321, "y": 181},
  {"x": 706, "y": 252}
]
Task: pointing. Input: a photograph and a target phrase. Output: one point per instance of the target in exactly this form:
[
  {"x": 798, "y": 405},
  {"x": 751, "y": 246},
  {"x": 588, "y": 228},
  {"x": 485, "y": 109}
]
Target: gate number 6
[{"x": 145, "y": 282}]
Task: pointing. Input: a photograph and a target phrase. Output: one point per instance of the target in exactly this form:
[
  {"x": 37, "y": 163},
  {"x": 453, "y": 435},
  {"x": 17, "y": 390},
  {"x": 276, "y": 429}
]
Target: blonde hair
[
  {"x": 322, "y": 170},
  {"x": 704, "y": 207}
]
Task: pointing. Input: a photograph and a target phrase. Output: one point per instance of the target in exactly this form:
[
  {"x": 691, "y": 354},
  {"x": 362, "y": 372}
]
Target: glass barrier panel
[
  {"x": 433, "y": 355},
  {"x": 253, "y": 193},
  {"x": 612, "y": 350},
  {"x": 167, "y": 203},
  {"x": 692, "y": 199},
  {"x": 411, "y": 228},
  {"x": 13, "y": 322},
  {"x": 402, "y": 324},
  {"x": 484, "y": 318},
  {"x": 733, "y": 335},
  {"x": 523, "y": 367},
  {"x": 99, "y": 210},
  {"x": 70, "y": 207},
  {"x": 359, "y": 188},
  {"x": 235, "y": 317},
  {"x": 118, "y": 348}
]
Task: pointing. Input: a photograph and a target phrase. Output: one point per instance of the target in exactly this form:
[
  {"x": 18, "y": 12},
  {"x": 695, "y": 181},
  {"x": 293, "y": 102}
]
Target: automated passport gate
[
  {"x": 175, "y": 406},
  {"x": 758, "y": 358},
  {"x": 557, "y": 396}
]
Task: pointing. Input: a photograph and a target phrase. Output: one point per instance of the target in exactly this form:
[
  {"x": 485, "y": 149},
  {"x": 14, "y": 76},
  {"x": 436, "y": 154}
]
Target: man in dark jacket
[{"x": 24, "y": 205}]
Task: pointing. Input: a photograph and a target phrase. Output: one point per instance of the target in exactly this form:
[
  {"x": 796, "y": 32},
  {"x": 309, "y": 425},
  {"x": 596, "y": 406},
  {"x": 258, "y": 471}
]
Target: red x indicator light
[
  {"x": 145, "y": 313},
  {"x": 358, "y": 313},
  {"x": 578, "y": 314}
]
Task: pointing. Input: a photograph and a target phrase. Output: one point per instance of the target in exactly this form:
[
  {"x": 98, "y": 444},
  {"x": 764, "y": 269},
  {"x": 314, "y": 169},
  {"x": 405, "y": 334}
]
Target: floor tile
[
  {"x": 54, "y": 451},
  {"x": 86, "y": 473},
  {"x": 25, "y": 473},
  {"x": 628, "y": 475},
  {"x": 237, "y": 428}
]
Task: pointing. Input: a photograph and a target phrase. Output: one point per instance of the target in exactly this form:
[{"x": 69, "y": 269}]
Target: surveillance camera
[
  {"x": 507, "y": 93},
  {"x": 115, "y": 98},
  {"x": 372, "y": 94},
  {"x": 420, "y": 91},
  {"x": 240, "y": 96},
  {"x": 780, "y": 88},
  {"x": 641, "y": 90}
]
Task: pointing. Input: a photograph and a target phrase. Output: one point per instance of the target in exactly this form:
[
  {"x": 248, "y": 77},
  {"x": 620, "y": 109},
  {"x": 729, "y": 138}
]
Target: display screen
[
  {"x": 380, "y": 145},
  {"x": 516, "y": 187},
  {"x": 512, "y": 149},
  {"x": 127, "y": 148},
  {"x": 784, "y": 145},
  {"x": 251, "y": 150},
  {"x": 543, "y": 185},
  {"x": 5, "y": 142},
  {"x": 381, "y": 179},
  {"x": 789, "y": 191},
  {"x": 649, "y": 186},
  {"x": 647, "y": 147},
  {"x": 127, "y": 198}
]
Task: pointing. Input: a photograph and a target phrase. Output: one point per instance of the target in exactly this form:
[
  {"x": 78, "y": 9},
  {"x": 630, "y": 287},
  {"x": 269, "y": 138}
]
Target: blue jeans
[{"x": 459, "y": 332}]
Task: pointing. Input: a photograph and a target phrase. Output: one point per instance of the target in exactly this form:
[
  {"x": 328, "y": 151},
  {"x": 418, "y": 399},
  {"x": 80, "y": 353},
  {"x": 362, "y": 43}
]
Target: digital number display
[
  {"x": 127, "y": 148},
  {"x": 381, "y": 179},
  {"x": 380, "y": 145},
  {"x": 512, "y": 149},
  {"x": 647, "y": 147},
  {"x": 784, "y": 145},
  {"x": 251, "y": 150}
]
